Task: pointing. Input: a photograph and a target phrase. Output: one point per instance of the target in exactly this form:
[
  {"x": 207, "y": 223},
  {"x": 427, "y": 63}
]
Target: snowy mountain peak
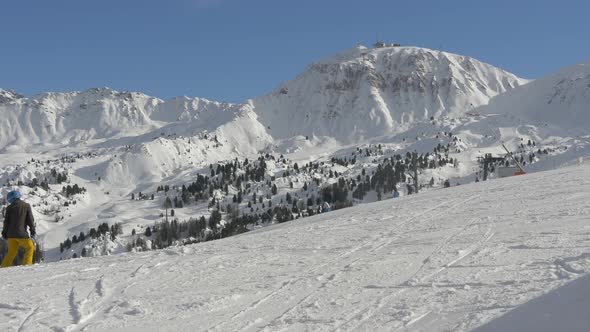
[{"x": 362, "y": 93}]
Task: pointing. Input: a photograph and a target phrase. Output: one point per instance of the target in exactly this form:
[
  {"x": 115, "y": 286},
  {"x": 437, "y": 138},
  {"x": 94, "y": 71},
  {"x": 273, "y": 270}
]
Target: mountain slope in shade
[
  {"x": 363, "y": 93},
  {"x": 562, "y": 309}
]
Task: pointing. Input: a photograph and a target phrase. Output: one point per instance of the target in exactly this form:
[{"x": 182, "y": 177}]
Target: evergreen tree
[
  {"x": 167, "y": 204},
  {"x": 185, "y": 196},
  {"x": 214, "y": 220}
]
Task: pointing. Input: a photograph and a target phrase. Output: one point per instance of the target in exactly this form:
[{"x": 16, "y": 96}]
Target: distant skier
[
  {"x": 326, "y": 207},
  {"x": 18, "y": 216}
]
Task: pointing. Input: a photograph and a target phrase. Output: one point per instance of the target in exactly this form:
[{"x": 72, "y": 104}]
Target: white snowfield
[{"x": 445, "y": 260}]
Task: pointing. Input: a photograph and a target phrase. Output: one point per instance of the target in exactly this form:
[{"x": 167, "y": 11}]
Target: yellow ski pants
[{"x": 13, "y": 245}]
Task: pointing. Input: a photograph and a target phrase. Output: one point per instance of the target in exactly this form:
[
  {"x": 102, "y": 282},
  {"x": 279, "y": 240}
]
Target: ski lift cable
[
  {"x": 476, "y": 113},
  {"x": 510, "y": 154}
]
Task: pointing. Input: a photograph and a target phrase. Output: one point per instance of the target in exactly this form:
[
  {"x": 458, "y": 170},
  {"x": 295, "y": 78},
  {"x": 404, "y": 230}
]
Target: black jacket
[{"x": 18, "y": 216}]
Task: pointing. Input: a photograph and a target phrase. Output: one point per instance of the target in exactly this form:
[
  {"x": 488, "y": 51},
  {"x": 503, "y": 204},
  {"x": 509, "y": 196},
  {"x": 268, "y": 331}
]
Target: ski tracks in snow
[
  {"x": 101, "y": 300},
  {"x": 23, "y": 324},
  {"x": 82, "y": 311},
  {"x": 296, "y": 292},
  {"x": 359, "y": 317}
]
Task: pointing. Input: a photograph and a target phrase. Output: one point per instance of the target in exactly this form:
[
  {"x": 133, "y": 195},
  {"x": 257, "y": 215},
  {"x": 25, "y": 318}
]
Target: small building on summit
[{"x": 380, "y": 44}]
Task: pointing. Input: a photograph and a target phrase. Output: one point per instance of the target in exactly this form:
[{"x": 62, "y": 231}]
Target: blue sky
[{"x": 230, "y": 50}]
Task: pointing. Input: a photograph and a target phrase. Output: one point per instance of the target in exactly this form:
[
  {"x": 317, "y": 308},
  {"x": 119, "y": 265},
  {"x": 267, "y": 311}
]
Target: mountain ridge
[{"x": 367, "y": 92}]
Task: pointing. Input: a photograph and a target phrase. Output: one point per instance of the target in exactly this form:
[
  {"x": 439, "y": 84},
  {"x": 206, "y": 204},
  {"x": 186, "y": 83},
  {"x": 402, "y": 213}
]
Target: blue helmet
[{"x": 15, "y": 194}]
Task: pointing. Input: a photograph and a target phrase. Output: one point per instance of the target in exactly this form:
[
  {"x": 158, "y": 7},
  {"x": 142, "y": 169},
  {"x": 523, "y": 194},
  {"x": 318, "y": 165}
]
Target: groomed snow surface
[{"x": 446, "y": 260}]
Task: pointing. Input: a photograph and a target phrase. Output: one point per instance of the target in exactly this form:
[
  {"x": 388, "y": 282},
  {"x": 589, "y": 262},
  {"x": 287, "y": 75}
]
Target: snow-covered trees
[{"x": 72, "y": 190}]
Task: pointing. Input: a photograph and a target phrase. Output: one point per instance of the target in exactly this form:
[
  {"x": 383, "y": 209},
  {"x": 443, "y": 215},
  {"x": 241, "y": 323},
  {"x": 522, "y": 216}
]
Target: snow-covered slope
[
  {"x": 211, "y": 137},
  {"x": 445, "y": 260},
  {"x": 363, "y": 93},
  {"x": 560, "y": 100}
]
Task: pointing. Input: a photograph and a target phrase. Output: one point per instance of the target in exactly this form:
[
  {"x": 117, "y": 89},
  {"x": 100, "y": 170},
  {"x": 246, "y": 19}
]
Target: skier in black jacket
[{"x": 18, "y": 217}]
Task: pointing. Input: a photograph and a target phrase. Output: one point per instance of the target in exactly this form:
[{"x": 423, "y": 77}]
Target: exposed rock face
[{"x": 9, "y": 96}]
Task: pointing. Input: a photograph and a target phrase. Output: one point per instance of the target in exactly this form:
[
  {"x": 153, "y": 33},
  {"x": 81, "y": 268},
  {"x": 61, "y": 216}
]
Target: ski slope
[{"x": 445, "y": 260}]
